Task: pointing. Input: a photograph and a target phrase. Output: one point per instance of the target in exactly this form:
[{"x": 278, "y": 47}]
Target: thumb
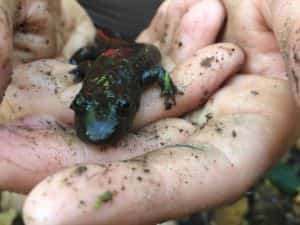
[{"x": 283, "y": 16}]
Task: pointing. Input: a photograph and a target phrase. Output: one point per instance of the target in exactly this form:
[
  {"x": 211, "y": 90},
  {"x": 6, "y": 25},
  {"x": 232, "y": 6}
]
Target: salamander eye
[
  {"x": 78, "y": 102},
  {"x": 123, "y": 106}
]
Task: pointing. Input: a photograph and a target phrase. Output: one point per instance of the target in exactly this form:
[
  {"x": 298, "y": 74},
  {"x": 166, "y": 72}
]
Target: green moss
[
  {"x": 286, "y": 177},
  {"x": 8, "y": 217},
  {"x": 104, "y": 198}
]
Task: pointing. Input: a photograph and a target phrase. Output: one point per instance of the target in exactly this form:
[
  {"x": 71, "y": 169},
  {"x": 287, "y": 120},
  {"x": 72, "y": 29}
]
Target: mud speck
[
  {"x": 234, "y": 134},
  {"x": 80, "y": 170},
  {"x": 146, "y": 171},
  {"x": 255, "y": 93},
  {"x": 207, "y": 62}
]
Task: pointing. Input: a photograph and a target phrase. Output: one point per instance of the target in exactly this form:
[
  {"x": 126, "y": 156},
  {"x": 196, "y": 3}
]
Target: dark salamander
[{"x": 113, "y": 83}]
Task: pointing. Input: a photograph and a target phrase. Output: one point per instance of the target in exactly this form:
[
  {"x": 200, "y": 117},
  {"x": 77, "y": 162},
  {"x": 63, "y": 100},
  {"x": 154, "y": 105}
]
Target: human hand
[
  {"x": 35, "y": 29},
  {"x": 268, "y": 31},
  {"x": 51, "y": 83},
  {"x": 203, "y": 161}
]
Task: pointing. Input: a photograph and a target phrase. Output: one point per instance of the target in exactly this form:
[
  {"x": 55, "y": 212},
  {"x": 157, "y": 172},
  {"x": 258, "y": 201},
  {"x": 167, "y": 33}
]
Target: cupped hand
[
  {"x": 36, "y": 29},
  {"x": 47, "y": 87},
  {"x": 169, "y": 168}
]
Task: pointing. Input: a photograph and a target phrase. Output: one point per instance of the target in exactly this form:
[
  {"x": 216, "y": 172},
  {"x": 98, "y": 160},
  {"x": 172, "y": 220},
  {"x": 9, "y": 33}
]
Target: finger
[
  {"x": 78, "y": 28},
  {"x": 156, "y": 28},
  {"x": 164, "y": 25},
  {"x": 247, "y": 27},
  {"x": 35, "y": 32},
  {"x": 7, "y": 10},
  {"x": 208, "y": 169},
  {"x": 198, "y": 28},
  {"x": 198, "y": 77},
  {"x": 35, "y": 147},
  {"x": 39, "y": 88},
  {"x": 284, "y": 18}
]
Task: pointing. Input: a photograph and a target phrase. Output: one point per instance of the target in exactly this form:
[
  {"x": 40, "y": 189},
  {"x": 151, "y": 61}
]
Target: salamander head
[
  {"x": 94, "y": 123},
  {"x": 98, "y": 123}
]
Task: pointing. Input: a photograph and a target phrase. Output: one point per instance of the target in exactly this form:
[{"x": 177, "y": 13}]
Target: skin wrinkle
[
  {"x": 226, "y": 156},
  {"x": 32, "y": 145},
  {"x": 81, "y": 155},
  {"x": 17, "y": 165},
  {"x": 7, "y": 18},
  {"x": 188, "y": 146},
  {"x": 154, "y": 136}
]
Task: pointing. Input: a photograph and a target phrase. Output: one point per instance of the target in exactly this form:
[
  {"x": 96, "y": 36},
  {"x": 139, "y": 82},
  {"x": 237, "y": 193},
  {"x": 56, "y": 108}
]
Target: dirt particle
[
  {"x": 234, "y": 134},
  {"x": 209, "y": 116},
  {"x": 219, "y": 128},
  {"x": 80, "y": 170},
  {"x": 156, "y": 137},
  {"x": 297, "y": 57},
  {"x": 206, "y": 93},
  {"x": 254, "y": 92},
  {"x": 140, "y": 179},
  {"x": 67, "y": 182},
  {"x": 228, "y": 50},
  {"x": 180, "y": 44},
  {"x": 207, "y": 61},
  {"x": 82, "y": 203},
  {"x": 146, "y": 171}
]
